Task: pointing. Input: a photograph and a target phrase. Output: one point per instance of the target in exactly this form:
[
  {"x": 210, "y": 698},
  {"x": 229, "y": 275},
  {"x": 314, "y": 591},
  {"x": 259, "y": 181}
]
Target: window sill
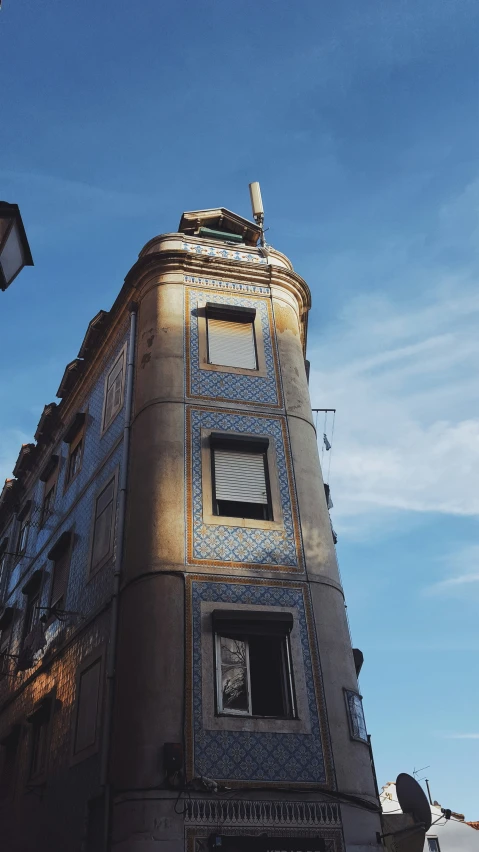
[{"x": 239, "y": 371}]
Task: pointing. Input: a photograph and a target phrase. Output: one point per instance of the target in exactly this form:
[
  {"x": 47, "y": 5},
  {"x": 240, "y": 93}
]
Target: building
[
  {"x": 444, "y": 835},
  {"x": 177, "y": 667}
]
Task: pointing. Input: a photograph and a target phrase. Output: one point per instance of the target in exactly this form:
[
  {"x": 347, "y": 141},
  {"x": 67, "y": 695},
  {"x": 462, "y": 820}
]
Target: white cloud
[
  {"x": 403, "y": 379},
  {"x": 462, "y": 569},
  {"x": 460, "y": 736}
]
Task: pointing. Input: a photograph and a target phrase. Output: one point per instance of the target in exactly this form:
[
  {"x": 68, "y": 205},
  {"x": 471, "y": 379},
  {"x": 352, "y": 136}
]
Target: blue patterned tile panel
[
  {"x": 252, "y": 256},
  {"x": 215, "y": 544},
  {"x": 231, "y": 387},
  {"x": 249, "y": 756}
]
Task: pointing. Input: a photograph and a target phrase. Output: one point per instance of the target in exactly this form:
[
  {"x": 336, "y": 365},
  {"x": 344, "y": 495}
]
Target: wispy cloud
[
  {"x": 403, "y": 378},
  {"x": 459, "y": 736},
  {"x": 462, "y": 569}
]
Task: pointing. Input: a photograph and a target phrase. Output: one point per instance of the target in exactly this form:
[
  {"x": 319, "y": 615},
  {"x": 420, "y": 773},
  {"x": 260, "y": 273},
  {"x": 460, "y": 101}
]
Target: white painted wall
[{"x": 453, "y": 835}]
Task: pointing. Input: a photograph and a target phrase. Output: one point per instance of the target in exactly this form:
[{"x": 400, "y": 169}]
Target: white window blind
[
  {"x": 240, "y": 477},
  {"x": 231, "y": 344}
]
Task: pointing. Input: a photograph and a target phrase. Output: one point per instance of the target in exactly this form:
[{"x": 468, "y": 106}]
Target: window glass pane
[
  {"x": 231, "y": 344},
  {"x": 358, "y": 723},
  {"x": 116, "y": 371},
  {"x": 22, "y": 538},
  {"x": 32, "y": 614},
  {"x": 60, "y": 579},
  {"x": 267, "y": 661},
  {"x": 234, "y": 674},
  {"x": 433, "y": 844}
]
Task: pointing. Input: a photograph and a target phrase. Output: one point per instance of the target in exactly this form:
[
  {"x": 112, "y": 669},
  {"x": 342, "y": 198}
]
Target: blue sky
[{"x": 361, "y": 122}]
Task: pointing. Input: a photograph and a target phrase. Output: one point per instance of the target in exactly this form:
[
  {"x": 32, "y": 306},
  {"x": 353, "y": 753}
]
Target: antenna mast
[{"x": 258, "y": 210}]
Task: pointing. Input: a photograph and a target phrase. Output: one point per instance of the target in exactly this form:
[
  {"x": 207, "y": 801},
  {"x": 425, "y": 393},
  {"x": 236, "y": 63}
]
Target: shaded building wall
[{"x": 51, "y": 810}]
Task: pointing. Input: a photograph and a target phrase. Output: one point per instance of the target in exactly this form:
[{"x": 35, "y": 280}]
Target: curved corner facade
[
  {"x": 176, "y": 672},
  {"x": 233, "y": 651}
]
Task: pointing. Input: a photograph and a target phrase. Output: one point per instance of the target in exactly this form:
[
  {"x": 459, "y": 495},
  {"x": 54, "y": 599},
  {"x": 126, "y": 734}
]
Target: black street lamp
[{"x": 14, "y": 249}]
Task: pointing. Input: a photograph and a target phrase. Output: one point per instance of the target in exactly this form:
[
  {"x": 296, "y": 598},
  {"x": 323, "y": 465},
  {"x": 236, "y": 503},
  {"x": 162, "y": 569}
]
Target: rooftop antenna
[{"x": 257, "y": 206}]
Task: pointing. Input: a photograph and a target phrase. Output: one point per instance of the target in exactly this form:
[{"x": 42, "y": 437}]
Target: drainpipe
[{"x": 115, "y": 598}]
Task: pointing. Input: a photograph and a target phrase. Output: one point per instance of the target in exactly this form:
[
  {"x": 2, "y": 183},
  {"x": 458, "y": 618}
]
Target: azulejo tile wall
[
  {"x": 217, "y": 545},
  {"x": 231, "y": 387},
  {"x": 246, "y": 756},
  {"x": 253, "y": 256}
]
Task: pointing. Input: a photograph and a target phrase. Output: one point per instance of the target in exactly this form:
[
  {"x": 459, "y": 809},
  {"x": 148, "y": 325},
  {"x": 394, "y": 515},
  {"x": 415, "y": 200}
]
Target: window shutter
[
  {"x": 240, "y": 477},
  {"x": 89, "y": 691},
  {"x": 60, "y": 578},
  {"x": 114, "y": 388},
  {"x": 231, "y": 344},
  {"x": 103, "y": 524}
]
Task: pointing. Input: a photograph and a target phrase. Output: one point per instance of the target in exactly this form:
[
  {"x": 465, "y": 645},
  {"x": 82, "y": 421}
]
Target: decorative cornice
[
  {"x": 70, "y": 376},
  {"x": 93, "y": 334},
  {"x": 25, "y": 459}
]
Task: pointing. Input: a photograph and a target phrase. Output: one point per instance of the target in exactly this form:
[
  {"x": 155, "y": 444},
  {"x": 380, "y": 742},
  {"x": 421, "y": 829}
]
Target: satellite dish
[{"x": 412, "y": 799}]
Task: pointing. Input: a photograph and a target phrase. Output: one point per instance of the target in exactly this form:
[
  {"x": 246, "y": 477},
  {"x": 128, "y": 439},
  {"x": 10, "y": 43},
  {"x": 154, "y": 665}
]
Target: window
[
  {"x": 49, "y": 477},
  {"x": 102, "y": 544},
  {"x": 253, "y": 663},
  {"x": 74, "y": 460},
  {"x": 32, "y": 613},
  {"x": 87, "y": 710},
  {"x": 60, "y": 556},
  {"x": 48, "y": 502},
  {"x": 433, "y": 844},
  {"x": 74, "y": 436},
  {"x": 114, "y": 386},
  {"x": 357, "y": 723},
  {"x": 3, "y": 562},
  {"x": 9, "y": 750},
  {"x": 23, "y": 518},
  {"x": 240, "y": 477},
  {"x": 231, "y": 336},
  {"x": 6, "y": 624},
  {"x": 40, "y": 722}
]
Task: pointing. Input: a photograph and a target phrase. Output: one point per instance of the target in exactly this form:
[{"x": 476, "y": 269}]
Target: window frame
[
  {"x": 23, "y": 518},
  {"x": 75, "y": 437},
  {"x": 353, "y": 735},
  {"x": 248, "y": 447},
  {"x": 4, "y": 560},
  {"x": 272, "y": 479},
  {"x": 287, "y": 680},
  {"x": 121, "y": 356},
  {"x": 62, "y": 548},
  {"x": 92, "y": 570},
  {"x": 9, "y": 762},
  {"x": 203, "y": 348},
  {"x": 50, "y": 488},
  {"x": 97, "y": 655},
  {"x": 214, "y": 721},
  {"x": 5, "y": 644},
  {"x": 41, "y": 718}
]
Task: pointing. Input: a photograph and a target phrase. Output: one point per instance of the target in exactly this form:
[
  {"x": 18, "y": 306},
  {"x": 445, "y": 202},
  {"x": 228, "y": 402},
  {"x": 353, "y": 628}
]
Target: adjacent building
[
  {"x": 176, "y": 667},
  {"x": 445, "y": 835}
]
